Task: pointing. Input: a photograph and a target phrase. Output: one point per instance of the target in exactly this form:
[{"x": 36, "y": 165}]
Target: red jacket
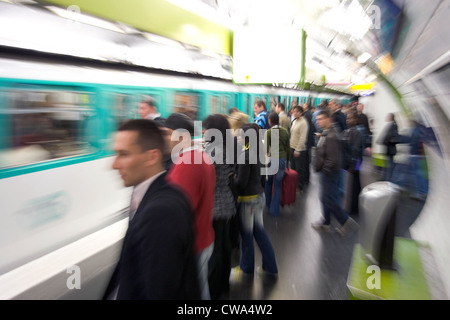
[{"x": 194, "y": 172}]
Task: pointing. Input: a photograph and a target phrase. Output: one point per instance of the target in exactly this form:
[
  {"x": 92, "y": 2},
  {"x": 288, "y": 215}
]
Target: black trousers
[
  {"x": 355, "y": 193},
  {"x": 301, "y": 165},
  {"x": 219, "y": 266}
]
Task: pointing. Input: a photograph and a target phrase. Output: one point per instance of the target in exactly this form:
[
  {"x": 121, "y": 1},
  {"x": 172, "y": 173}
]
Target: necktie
[{"x": 133, "y": 205}]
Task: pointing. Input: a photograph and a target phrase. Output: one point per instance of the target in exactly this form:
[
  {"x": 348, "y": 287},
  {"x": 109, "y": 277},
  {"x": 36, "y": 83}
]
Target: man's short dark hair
[
  {"x": 299, "y": 109},
  {"x": 281, "y": 106},
  {"x": 233, "y": 110},
  {"x": 274, "y": 118},
  {"x": 260, "y": 104},
  {"x": 149, "y": 101},
  {"x": 149, "y": 134},
  {"x": 324, "y": 113}
]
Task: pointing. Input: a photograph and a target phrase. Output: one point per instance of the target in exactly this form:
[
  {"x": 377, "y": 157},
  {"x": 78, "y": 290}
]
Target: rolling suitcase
[{"x": 289, "y": 187}]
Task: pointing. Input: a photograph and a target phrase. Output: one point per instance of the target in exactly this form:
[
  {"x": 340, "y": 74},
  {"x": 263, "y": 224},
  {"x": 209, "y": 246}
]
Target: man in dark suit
[{"x": 157, "y": 259}]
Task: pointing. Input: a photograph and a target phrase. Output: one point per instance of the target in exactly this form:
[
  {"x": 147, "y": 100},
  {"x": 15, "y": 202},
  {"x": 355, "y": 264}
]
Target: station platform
[{"x": 314, "y": 265}]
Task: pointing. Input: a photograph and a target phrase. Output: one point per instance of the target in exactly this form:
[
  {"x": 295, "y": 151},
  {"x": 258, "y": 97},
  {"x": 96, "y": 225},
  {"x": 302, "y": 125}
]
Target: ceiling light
[
  {"x": 363, "y": 58},
  {"x": 73, "y": 13}
]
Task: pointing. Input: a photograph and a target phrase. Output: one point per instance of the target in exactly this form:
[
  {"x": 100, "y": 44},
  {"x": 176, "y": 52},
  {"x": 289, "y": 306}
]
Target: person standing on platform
[
  {"x": 390, "y": 139},
  {"x": 298, "y": 139},
  {"x": 194, "y": 172},
  {"x": 363, "y": 120},
  {"x": 277, "y": 151},
  {"x": 356, "y": 142},
  {"x": 224, "y": 204},
  {"x": 338, "y": 117},
  {"x": 284, "y": 119},
  {"x": 310, "y": 141},
  {"x": 261, "y": 114},
  {"x": 247, "y": 181},
  {"x": 157, "y": 260},
  {"x": 328, "y": 165}
]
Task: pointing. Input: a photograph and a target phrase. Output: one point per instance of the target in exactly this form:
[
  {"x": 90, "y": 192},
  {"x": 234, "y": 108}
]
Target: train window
[
  {"x": 273, "y": 103},
  {"x": 215, "y": 107},
  {"x": 156, "y": 98},
  {"x": 187, "y": 103},
  {"x": 294, "y": 103},
  {"x": 125, "y": 108},
  {"x": 47, "y": 124},
  {"x": 225, "y": 102}
]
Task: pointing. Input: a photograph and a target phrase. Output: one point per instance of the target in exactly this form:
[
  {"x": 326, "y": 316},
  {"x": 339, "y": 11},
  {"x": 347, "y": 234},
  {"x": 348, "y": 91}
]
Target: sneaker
[
  {"x": 320, "y": 226},
  {"x": 263, "y": 273},
  {"x": 238, "y": 275},
  {"x": 348, "y": 228}
]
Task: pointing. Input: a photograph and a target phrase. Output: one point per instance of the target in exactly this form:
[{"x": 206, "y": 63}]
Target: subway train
[{"x": 58, "y": 192}]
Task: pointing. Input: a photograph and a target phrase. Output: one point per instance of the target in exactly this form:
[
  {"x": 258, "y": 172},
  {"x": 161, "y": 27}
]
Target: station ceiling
[{"x": 344, "y": 43}]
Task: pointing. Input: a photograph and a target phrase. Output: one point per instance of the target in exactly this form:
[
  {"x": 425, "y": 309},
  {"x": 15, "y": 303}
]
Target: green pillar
[{"x": 303, "y": 59}]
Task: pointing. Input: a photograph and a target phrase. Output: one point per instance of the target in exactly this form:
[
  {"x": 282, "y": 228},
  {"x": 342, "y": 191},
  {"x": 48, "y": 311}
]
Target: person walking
[{"x": 328, "y": 165}]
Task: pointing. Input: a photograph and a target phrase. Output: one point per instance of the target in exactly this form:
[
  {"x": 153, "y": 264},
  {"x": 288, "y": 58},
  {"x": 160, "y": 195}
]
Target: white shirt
[
  {"x": 152, "y": 116},
  {"x": 139, "y": 192}
]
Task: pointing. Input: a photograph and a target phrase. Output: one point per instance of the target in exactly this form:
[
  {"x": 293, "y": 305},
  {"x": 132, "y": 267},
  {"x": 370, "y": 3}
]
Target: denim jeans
[
  {"x": 273, "y": 200},
  {"x": 330, "y": 197},
  {"x": 420, "y": 184},
  {"x": 251, "y": 226},
  {"x": 387, "y": 172},
  {"x": 202, "y": 267}
]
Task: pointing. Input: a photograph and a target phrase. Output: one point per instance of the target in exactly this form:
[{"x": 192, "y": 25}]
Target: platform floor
[{"x": 312, "y": 265}]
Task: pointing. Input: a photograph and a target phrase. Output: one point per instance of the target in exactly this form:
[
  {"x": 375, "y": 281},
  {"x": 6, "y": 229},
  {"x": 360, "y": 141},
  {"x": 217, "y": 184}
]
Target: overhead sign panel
[{"x": 269, "y": 54}]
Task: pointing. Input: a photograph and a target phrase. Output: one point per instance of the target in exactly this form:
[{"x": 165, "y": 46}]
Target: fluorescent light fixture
[
  {"x": 163, "y": 40},
  {"x": 203, "y": 10},
  {"x": 190, "y": 30},
  {"x": 348, "y": 20},
  {"x": 363, "y": 58},
  {"x": 74, "y": 13}
]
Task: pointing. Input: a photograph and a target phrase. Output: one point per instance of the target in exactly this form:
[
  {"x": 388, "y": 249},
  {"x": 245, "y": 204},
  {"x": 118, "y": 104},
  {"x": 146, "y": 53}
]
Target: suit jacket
[{"x": 157, "y": 259}]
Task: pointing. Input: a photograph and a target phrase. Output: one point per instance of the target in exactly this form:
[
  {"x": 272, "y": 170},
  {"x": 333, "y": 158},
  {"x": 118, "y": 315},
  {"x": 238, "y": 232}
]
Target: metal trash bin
[{"x": 378, "y": 207}]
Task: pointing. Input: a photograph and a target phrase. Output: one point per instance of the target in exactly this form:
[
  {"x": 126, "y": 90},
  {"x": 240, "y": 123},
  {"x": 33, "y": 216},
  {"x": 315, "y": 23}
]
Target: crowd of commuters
[{"x": 192, "y": 204}]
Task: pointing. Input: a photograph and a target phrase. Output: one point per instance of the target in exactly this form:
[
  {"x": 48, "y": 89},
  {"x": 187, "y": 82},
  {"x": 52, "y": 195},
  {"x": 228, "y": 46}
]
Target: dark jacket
[
  {"x": 247, "y": 180},
  {"x": 355, "y": 140},
  {"x": 311, "y": 130},
  {"x": 391, "y": 138},
  {"x": 157, "y": 260},
  {"x": 328, "y": 152},
  {"x": 340, "y": 121}
]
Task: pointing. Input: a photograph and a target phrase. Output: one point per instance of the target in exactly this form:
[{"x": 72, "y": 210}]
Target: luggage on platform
[{"x": 289, "y": 187}]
